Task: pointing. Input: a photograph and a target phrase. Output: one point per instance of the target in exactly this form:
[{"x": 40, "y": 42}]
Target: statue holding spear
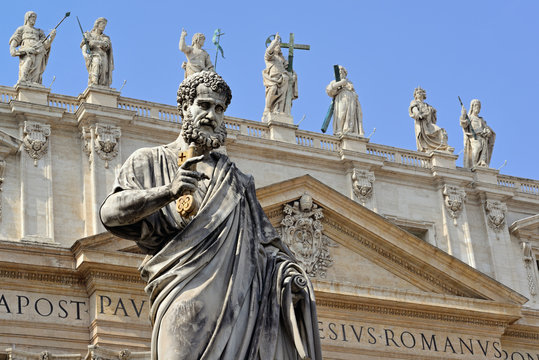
[{"x": 33, "y": 48}]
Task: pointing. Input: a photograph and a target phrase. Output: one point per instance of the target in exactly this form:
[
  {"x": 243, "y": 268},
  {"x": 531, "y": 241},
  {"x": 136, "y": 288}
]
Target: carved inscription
[{"x": 412, "y": 341}]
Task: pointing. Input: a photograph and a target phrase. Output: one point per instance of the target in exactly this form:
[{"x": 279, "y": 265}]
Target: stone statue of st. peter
[{"x": 222, "y": 284}]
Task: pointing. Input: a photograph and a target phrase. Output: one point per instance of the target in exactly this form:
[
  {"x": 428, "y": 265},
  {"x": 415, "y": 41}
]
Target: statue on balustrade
[
  {"x": 197, "y": 58},
  {"x": 33, "y": 48},
  {"x": 429, "y": 136},
  {"x": 347, "y": 114},
  {"x": 281, "y": 85},
  {"x": 97, "y": 51},
  {"x": 478, "y": 137},
  {"x": 222, "y": 284}
]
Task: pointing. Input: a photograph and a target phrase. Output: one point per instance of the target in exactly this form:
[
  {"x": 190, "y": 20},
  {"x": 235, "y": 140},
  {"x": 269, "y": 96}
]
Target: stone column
[
  {"x": 101, "y": 148},
  {"x": 36, "y": 183},
  {"x": 456, "y": 230}
]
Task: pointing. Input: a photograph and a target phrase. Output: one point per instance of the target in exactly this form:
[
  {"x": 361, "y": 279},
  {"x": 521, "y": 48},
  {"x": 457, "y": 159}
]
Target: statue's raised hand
[{"x": 185, "y": 180}]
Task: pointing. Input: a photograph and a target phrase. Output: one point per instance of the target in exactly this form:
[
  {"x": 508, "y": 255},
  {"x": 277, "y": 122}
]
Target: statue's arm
[
  {"x": 130, "y": 206},
  {"x": 414, "y": 111},
  {"x": 183, "y": 46},
  {"x": 47, "y": 44},
  {"x": 15, "y": 42},
  {"x": 463, "y": 121}
]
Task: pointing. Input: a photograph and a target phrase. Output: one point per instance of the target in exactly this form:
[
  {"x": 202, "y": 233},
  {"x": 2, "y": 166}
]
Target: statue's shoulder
[
  {"x": 146, "y": 155},
  {"x": 244, "y": 178}
]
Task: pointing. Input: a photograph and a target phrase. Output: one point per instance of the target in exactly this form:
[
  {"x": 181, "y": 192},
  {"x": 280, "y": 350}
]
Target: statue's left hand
[{"x": 53, "y": 33}]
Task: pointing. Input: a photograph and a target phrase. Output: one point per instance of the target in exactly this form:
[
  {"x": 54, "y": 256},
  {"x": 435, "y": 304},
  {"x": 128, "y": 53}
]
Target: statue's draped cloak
[
  {"x": 483, "y": 145},
  {"x": 25, "y": 37},
  {"x": 107, "y": 58},
  {"x": 347, "y": 114},
  {"x": 276, "y": 79},
  {"x": 429, "y": 136},
  {"x": 222, "y": 285}
]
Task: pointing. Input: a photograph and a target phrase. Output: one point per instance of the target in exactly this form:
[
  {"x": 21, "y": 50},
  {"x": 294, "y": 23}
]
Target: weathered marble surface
[
  {"x": 29, "y": 44},
  {"x": 429, "y": 136},
  {"x": 97, "y": 51},
  {"x": 197, "y": 58},
  {"x": 279, "y": 82},
  {"x": 477, "y": 149},
  {"x": 221, "y": 283},
  {"x": 347, "y": 114}
]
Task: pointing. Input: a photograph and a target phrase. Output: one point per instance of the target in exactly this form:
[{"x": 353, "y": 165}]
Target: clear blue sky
[{"x": 476, "y": 49}]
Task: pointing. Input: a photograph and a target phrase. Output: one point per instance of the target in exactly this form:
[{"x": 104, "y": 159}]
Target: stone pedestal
[
  {"x": 100, "y": 95},
  {"x": 485, "y": 175},
  {"x": 33, "y": 93},
  {"x": 353, "y": 142},
  {"x": 282, "y": 131},
  {"x": 278, "y": 117},
  {"x": 443, "y": 159}
]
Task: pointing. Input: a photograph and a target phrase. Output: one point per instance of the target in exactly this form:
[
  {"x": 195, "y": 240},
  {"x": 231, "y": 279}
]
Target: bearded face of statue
[{"x": 203, "y": 123}]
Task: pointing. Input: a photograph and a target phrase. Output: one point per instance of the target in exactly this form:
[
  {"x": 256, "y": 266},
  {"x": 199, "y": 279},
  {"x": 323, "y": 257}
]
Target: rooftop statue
[
  {"x": 478, "y": 137},
  {"x": 347, "y": 114},
  {"x": 222, "y": 284},
  {"x": 281, "y": 84},
  {"x": 33, "y": 48},
  {"x": 428, "y": 135},
  {"x": 197, "y": 58},
  {"x": 97, "y": 51}
]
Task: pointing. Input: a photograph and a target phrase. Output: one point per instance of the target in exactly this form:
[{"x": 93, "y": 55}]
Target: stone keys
[{"x": 186, "y": 205}]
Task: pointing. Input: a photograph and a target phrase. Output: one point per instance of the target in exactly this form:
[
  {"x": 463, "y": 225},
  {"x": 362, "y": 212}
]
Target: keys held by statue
[{"x": 186, "y": 205}]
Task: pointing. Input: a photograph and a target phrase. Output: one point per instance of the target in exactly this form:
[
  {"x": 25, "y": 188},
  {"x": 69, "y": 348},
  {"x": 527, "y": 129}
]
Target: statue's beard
[{"x": 191, "y": 132}]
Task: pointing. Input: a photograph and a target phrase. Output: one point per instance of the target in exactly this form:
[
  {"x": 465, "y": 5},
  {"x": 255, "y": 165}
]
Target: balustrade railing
[
  {"x": 526, "y": 186},
  {"x": 317, "y": 141},
  {"x": 399, "y": 156},
  {"x": 68, "y": 103},
  {"x": 6, "y": 94}
]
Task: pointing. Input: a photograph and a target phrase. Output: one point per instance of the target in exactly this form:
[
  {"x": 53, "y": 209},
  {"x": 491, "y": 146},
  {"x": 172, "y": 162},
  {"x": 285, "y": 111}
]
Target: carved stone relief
[
  {"x": 105, "y": 144},
  {"x": 454, "y": 200},
  {"x": 529, "y": 260},
  {"x": 496, "y": 211},
  {"x": 362, "y": 184},
  {"x": 36, "y": 139},
  {"x": 302, "y": 232}
]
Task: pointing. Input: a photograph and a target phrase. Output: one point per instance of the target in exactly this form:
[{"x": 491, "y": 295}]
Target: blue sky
[{"x": 476, "y": 49}]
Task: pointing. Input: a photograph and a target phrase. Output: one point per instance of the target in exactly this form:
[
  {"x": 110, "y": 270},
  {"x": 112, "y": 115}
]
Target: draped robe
[{"x": 222, "y": 285}]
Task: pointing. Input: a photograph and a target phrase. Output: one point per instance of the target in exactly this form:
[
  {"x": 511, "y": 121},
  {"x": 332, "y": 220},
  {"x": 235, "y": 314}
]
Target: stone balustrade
[
  {"x": 400, "y": 156},
  {"x": 7, "y": 93},
  {"x": 256, "y": 129},
  {"x": 526, "y": 186}
]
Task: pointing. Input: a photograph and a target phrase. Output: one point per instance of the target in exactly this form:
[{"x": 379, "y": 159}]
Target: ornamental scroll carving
[
  {"x": 105, "y": 143},
  {"x": 529, "y": 260},
  {"x": 496, "y": 211},
  {"x": 454, "y": 200},
  {"x": 36, "y": 139},
  {"x": 362, "y": 184},
  {"x": 302, "y": 232}
]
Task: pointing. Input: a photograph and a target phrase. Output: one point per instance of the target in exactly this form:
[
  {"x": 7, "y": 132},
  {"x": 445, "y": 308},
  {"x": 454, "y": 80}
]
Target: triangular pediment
[{"x": 376, "y": 256}]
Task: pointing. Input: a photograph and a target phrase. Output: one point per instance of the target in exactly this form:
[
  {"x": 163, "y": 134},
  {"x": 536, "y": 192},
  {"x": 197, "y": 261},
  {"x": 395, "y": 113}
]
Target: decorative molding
[
  {"x": 454, "y": 200},
  {"x": 16, "y": 354},
  {"x": 2, "y": 169},
  {"x": 115, "y": 277},
  {"x": 96, "y": 352},
  {"x": 362, "y": 184},
  {"x": 522, "y": 334},
  {"x": 36, "y": 139},
  {"x": 496, "y": 212},
  {"x": 529, "y": 263},
  {"x": 385, "y": 310},
  {"x": 63, "y": 279},
  {"x": 302, "y": 232},
  {"x": 86, "y": 136},
  {"x": 106, "y": 142},
  {"x": 389, "y": 255}
]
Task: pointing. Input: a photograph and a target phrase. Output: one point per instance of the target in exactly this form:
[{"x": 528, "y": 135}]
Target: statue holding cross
[{"x": 280, "y": 79}]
